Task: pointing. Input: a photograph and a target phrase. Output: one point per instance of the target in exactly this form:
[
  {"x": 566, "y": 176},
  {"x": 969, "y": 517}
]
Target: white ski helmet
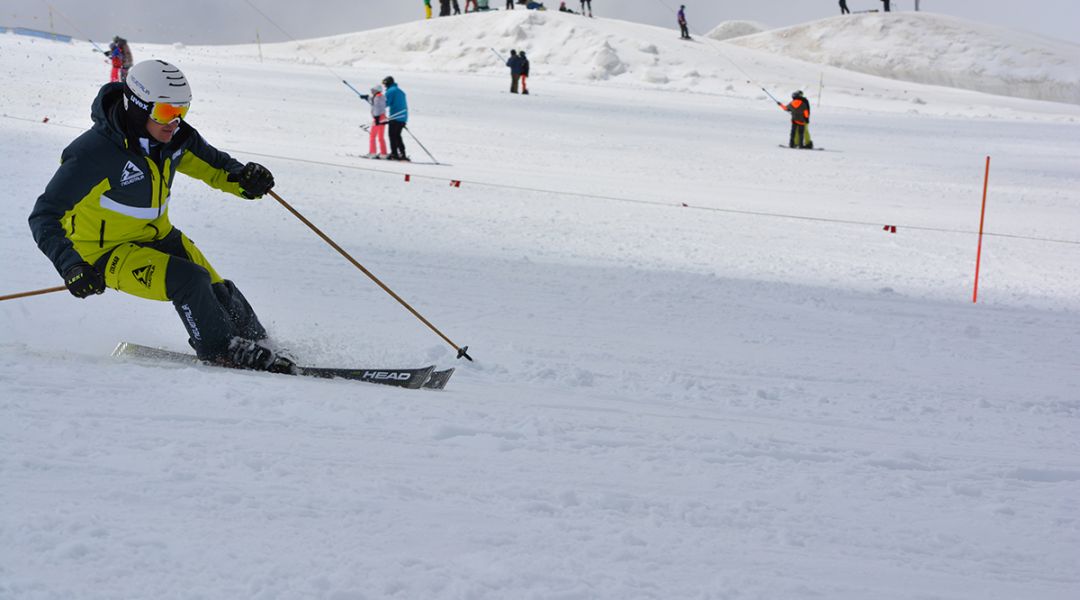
[{"x": 158, "y": 81}]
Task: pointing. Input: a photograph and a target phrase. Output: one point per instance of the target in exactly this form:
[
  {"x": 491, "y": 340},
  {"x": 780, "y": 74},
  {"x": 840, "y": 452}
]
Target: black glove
[
  {"x": 83, "y": 279},
  {"x": 366, "y": 97},
  {"x": 254, "y": 179}
]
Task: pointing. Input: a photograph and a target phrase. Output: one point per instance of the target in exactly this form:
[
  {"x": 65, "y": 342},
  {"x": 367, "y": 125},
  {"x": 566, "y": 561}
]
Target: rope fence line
[{"x": 611, "y": 198}]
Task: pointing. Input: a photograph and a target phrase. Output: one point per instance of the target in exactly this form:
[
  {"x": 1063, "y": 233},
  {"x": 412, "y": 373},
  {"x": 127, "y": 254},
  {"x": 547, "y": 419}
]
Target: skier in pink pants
[{"x": 378, "y": 126}]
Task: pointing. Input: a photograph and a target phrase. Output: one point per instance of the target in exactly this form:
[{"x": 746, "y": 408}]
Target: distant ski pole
[
  {"x": 356, "y": 90},
  {"x": 419, "y": 143},
  {"x": 58, "y": 288},
  {"x": 501, "y": 59},
  {"x": 462, "y": 351}
]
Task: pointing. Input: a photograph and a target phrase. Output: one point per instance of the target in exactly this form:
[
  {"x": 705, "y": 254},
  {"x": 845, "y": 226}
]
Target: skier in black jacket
[
  {"x": 524, "y": 72},
  {"x": 103, "y": 220}
]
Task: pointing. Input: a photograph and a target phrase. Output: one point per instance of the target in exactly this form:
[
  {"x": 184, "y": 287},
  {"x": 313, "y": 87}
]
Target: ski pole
[
  {"x": 771, "y": 96},
  {"x": 58, "y": 288},
  {"x": 356, "y": 90},
  {"x": 462, "y": 351},
  {"x": 435, "y": 160},
  {"x": 503, "y": 60}
]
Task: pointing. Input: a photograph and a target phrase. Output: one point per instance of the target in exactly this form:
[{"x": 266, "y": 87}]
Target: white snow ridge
[
  {"x": 934, "y": 49},
  {"x": 708, "y": 367}
]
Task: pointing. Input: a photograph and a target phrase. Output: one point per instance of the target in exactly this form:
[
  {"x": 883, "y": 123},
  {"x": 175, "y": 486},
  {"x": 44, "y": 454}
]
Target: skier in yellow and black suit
[
  {"x": 800, "y": 120},
  {"x": 103, "y": 220}
]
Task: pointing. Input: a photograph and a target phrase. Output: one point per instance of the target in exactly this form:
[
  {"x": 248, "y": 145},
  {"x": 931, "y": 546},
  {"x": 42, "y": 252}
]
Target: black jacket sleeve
[{"x": 68, "y": 186}]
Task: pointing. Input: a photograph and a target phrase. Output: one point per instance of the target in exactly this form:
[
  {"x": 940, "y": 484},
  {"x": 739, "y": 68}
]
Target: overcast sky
[{"x": 235, "y": 21}]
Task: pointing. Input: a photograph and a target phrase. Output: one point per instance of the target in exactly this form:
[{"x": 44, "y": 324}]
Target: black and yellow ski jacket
[{"x": 111, "y": 189}]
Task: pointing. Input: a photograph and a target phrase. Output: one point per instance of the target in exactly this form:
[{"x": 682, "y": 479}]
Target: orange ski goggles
[{"x": 164, "y": 113}]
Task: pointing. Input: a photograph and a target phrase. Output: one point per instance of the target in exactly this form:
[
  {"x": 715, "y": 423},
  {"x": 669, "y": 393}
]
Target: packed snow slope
[
  {"x": 934, "y": 49},
  {"x": 703, "y": 369}
]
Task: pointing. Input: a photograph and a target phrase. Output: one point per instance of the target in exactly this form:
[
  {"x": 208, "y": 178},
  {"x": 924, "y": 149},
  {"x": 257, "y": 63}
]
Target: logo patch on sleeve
[
  {"x": 144, "y": 275},
  {"x": 131, "y": 174}
]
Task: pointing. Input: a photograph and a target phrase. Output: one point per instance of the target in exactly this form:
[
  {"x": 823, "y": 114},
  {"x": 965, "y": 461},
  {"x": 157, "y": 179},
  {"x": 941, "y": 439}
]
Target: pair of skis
[{"x": 413, "y": 379}]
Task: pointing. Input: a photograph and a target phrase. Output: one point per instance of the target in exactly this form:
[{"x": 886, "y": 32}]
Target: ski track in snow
[{"x": 668, "y": 402}]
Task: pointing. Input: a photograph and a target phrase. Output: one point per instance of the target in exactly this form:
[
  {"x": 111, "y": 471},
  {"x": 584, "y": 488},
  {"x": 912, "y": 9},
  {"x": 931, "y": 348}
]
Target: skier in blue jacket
[
  {"x": 398, "y": 108},
  {"x": 516, "y": 64}
]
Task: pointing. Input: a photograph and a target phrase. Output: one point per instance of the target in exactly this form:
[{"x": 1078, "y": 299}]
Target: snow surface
[
  {"x": 703, "y": 369},
  {"x": 935, "y": 49}
]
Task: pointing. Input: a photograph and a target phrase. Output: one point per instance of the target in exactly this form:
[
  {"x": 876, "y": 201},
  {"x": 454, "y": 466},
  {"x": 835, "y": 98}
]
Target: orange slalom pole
[{"x": 982, "y": 220}]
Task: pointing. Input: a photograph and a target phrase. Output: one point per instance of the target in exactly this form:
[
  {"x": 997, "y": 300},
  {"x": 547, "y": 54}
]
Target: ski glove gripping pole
[
  {"x": 83, "y": 280},
  {"x": 254, "y": 179}
]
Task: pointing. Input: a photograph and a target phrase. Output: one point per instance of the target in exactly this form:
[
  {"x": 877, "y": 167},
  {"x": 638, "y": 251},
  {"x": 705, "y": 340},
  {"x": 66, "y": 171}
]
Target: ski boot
[{"x": 256, "y": 356}]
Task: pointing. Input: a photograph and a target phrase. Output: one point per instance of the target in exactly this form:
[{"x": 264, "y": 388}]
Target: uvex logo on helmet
[{"x": 137, "y": 102}]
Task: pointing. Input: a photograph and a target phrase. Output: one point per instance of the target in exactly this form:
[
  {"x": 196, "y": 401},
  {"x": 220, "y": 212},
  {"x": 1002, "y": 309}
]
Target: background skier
[
  {"x": 799, "y": 107},
  {"x": 843, "y": 8},
  {"x": 120, "y": 57},
  {"x": 377, "y": 133},
  {"x": 514, "y": 62},
  {"x": 398, "y": 107},
  {"x": 103, "y": 220},
  {"x": 524, "y": 72}
]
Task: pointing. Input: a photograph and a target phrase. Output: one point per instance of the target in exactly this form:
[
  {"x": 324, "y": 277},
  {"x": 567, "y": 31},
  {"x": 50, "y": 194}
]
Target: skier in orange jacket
[{"x": 799, "y": 107}]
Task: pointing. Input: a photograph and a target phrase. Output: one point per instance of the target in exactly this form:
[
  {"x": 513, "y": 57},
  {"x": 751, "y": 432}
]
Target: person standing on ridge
[
  {"x": 514, "y": 62},
  {"x": 103, "y": 219},
  {"x": 886, "y": 3},
  {"x": 427, "y": 9},
  {"x": 398, "y": 107},
  {"x": 682, "y": 22},
  {"x": 509, "y": 4},
  {"x": 800, "y": 120},
  {"x": 377, "y": 133},
  {"x": 843, "y": 8}
]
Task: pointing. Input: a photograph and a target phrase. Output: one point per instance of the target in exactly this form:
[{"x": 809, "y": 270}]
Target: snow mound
[
  {"x": 559, "y": 45},
  {"x": 733, "y": 29},
  {"x": 879, "y": 56},
  {"x": 936, "y": 50}
]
